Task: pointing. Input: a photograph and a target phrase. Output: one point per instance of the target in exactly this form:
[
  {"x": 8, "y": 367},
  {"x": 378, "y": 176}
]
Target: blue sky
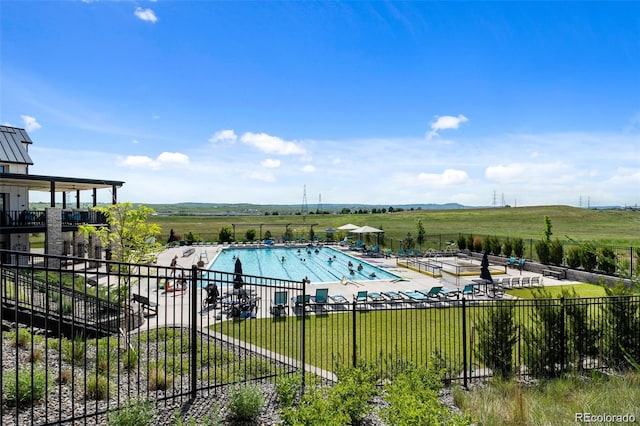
[{"x": 379, "y": 103}]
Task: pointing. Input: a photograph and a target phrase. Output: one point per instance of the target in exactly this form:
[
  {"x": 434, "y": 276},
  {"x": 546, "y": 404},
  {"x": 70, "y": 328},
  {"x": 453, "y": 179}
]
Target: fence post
[
  {"x": 562, "y": 335},
  {"x": 464, "y": 341},
  {"x": 631, "y": 261},
  {"x": 194, "y": 331},
  {"x": 303, "y": 331},
  {"x": 354, "y": 357}
]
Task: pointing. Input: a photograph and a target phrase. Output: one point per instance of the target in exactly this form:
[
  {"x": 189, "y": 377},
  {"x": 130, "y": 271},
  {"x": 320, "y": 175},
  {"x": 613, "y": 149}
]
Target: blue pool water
[{"x": 298, "y": 264}]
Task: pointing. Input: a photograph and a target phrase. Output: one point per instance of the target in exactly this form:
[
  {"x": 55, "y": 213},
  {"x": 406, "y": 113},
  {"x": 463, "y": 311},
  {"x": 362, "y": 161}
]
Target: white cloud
[
  {"x": 446, "y": 178},
  {"x": 270, "y": 163},
  {"x": 446, "y": 122},
  {"x": 224, "y": 136},
  {"x": 135, "y": 142},
  {"x": 265, "y": 177},
  {"x": 555, "y": 172},
  {"x": 164, "y": 160},
  {"x": 271, "y": 144},
  {"x": 30, "y": 123},
  {"x": 309, "y": 168},
  {"x": 147, "y": 15}
]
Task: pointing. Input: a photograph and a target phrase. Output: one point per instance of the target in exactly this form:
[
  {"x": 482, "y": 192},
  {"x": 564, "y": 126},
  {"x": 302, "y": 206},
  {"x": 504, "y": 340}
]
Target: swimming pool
[{"x": 319, "y": 264}]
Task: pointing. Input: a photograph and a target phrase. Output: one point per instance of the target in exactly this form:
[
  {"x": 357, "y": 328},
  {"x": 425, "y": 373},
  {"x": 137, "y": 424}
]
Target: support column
[{"x": 53, "y": 235}]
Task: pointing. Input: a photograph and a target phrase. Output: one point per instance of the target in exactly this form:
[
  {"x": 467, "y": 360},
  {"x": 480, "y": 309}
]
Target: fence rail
[{"x": 182, "y": 344}]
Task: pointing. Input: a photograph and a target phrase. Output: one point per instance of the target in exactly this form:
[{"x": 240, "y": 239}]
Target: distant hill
[{"x": 219, "y": 209}]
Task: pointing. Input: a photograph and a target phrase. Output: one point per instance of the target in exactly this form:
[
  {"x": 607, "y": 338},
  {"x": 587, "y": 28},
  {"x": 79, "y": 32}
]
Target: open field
[{"x": 614, "y": 227}]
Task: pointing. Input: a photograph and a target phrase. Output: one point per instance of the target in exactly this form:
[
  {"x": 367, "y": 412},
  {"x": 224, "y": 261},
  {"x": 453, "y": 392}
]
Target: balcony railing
[{"x": 37, "y": 218}]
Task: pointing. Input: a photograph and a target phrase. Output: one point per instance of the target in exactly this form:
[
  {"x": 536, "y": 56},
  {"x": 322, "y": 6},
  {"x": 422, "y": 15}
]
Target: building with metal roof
[{"x": 59, "y": 222}]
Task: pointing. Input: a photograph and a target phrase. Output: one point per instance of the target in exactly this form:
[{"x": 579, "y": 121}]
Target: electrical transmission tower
[{"x": 304, "y": 209}]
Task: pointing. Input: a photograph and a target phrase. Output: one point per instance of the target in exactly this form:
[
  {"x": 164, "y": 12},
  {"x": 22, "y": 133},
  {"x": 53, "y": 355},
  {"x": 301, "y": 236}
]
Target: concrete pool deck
[{"x": 174, "y": 309}]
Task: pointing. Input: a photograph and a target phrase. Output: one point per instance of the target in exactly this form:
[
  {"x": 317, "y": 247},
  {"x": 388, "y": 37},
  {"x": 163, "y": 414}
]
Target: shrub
[
  {"x": 354, "y": 390},
  {"x": 477, "y": 244},
  {"x": 622, "y": 318},
  {"x": 64, "y": 377},
  {"x": 315, "y": 409},
  {"x": 288, "y": 388},
  {"x": 245, "y": 402},
  {"x": 462, "y": 242},
  {"x": 159, "y": 380},
  {"x": 496, "y": 246},
  {"x": 607, "y": 260},
  {"x": 225, "y": 235},
  {"x": 30, "y": 386},
  {"x": 20, "y": 338},
  {"x": 556, "y": 252},
  {"x": 130, "y": 359},
  {"x": 35, "y": 355},
  {"x": 470, "y": 242},
  {"x": 73, "y": 351},
  {"x": 588, "y": 256},
  {"x": 486, "y": 245},
  {"x": 497, "y": 334},
  {"x": 518, "y": 247},
  {"x": 542, "y": 250},
  {"x": 97, "y": 387},
  {"x": 134, "y": 413},
  {"x": 544, "y": 338},
  {"x": 573, "y": 257},
  {"x": 508, "y": 247},
  {"x": 412, "y": 399}
]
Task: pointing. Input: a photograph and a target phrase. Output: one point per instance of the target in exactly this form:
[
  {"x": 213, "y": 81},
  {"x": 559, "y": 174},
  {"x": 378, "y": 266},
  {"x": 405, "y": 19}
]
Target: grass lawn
[
  {"x": 554, "y": 402},
  {"x": 582, "y": 290}
]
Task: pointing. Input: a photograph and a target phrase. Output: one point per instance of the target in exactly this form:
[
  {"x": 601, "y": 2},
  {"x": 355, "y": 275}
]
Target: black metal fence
[{"x": 82, "y": 337}]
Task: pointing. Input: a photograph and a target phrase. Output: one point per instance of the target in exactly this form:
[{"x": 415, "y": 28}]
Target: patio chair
[
  {"x": 469, "y": 290},
  {"x": 279, "y": 304}
]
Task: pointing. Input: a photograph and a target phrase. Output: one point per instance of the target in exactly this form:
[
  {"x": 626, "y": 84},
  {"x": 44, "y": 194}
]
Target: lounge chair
[
  {"x": 376, "y": 297},
  {"x": 414, "y": 296},
  {"x": 434, "y": 292},
  {"x": 298, "y": 300},
  {"x": 361, "y": 296},
  {"x": 392, "y": 295},
  {"x": 279, "y": 304},
  {"x": 321, "y": 298},
  {"x": 339, "y": 299},
  {"x": 469, "y": 290}
]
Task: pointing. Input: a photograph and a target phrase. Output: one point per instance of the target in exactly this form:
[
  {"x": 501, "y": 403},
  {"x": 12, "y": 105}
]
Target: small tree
[
  {"x": 497, "y": 332},
  {"x": 421, "y": 233},
  {"x": 462, "y": 242},
  {"x": 518, "y": 247},
  {"x": 542, "y": 250},
  {"x": 408, "y": 242},
  {"x": 172, "y": 237},
  {"x": 573, "y": 257},
  {"x": 508, "y": 247},
  {"x": 607, "y": 260},
  {"x": 267, "y": 235},
  {"x": 588, "y": 256},
  {"x": 556, "y": 252},
  {"x": 547, "y": 229}
]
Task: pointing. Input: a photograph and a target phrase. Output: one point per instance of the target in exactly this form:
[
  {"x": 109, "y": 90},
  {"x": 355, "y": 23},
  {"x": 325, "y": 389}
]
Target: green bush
[
  {"x": 544, "y": 337},
  {"x": 412, "y": 399},
  {"x": 542, "y": 250},
  {"x": 354, "y": 390},
  {"x": 588, "y": 256},
  {"x": 607, "y": 260},
  {"x": 316, "y": 408},
  {"x": 245, "y": 402},
  {"x": 288, "y": 388},
  {"x": 462, "y": 242},
  {"x": 622, "y": 321},
  {"x": 518, "y": 247},
  {"x": 73, "y": 351},
  {"x": 496, "y": 246},
  {"x": 573, "y": 257},
  {"x": 508, "y": 247},
  {"x": 159, "y": 380},
  {"x": 30, "y": 386},
  {"x": 130, "y": 359},
  {"x": 134, "y": 413},
  {"x": 556, "y": 252}
]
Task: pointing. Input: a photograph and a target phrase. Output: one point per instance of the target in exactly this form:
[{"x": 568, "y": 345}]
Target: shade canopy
[
  {"x": 330, "y": 230},
  {"x": 366, "y": 230},
  {"x": 348, "y": 227}
]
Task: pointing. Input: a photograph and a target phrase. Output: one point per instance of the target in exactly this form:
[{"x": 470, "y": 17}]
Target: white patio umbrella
[
  {"x": 366, "y": 230},
  {"x": 348, "y": 227}
]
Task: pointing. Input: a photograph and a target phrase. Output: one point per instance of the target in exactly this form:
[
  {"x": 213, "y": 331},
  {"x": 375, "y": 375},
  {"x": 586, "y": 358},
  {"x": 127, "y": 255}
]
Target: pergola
[{"x": 57, "y": 184}]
